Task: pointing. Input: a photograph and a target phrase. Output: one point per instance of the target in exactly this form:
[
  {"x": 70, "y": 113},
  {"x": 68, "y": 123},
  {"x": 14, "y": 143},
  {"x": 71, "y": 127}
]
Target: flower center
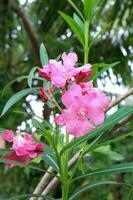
[{"x": 81, "y": 114}]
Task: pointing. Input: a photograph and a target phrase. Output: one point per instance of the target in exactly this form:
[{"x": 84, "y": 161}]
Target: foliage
[{"x": 98, "y": 40}]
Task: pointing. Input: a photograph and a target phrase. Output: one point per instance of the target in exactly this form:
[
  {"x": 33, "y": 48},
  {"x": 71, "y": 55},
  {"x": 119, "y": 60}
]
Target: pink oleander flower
[
  {"x": 85, "y": 107},
  {"x": 62, "y": 72},
  {"x": 24, "y": 147},
  {"x": 81, "y": 74}
]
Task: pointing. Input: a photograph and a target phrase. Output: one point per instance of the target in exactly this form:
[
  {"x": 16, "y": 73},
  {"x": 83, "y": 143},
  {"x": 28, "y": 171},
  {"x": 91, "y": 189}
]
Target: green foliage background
[{"x": 19, "y": 53}]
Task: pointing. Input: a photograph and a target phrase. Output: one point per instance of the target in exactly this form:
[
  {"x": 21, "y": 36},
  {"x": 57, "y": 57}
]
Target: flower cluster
[
  {"x": 24, "y": 148},
  {"x": 85, "y": 104}
]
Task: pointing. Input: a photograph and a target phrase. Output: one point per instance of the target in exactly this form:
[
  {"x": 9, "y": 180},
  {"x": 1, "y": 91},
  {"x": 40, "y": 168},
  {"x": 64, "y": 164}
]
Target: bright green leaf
[
  {"x": 78, "y": 21},
  {"x": 76, "y": 9},
  {"x": 105, "y": 68},
  {"x": 74, "y": 26}
]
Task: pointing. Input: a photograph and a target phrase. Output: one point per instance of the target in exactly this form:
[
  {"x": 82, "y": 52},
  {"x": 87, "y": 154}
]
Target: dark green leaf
[
  {"x": 9, "y": 84},
  {"x": 16, "y": 97},
  {"x": 125, "y": 167},
  {"x": 51, "y": 162},
  {"x": 3, "y": 151},
  {"x": 31, "y": 76},
  {"x": 86, "y": 187}
]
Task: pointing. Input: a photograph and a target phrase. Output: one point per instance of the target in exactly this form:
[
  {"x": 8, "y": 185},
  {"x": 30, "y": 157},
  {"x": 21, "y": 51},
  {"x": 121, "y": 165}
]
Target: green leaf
[
  {"x": 37, "y": 160},
  {"x": 1, "y": 130},
  {"x": 9, "y": 84},
  {"x": 16, "y": 163},
  {"x": 16, "y": 97},
  {"x": 105, "y": 151},
  {"x": 87, "y": 187},
  {"x": 119, "y": 138},
  {"x": 88, "y": 7},
  {"x": 78, "y": 21},
  {"x": 76, "y": 9},
  {"x": 31, "y": 76},
  {"x": 30, "y": 195},
  {"x": 109, "y": 123},
  {"x": 3, "y": 151},
  {"x": 43, "y": 55},
  {"x": 41, "y": 125},
  {"x": 105, "y": 68},
  {"x": 125, "y": 167},
  {"x": 51, "y": 162},
  {"x": 74, "y": 26}
]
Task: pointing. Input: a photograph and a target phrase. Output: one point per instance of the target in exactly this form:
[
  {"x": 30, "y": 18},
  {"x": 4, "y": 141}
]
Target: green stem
[
  {"x": 86, "y": 49},
  {"x": 64, "y": 173}
]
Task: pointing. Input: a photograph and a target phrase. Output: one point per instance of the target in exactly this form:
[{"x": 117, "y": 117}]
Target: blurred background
[{"x": 24, "y": 24}]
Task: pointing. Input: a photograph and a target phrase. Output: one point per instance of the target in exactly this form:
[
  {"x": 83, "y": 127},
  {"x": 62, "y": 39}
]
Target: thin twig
[
  {"x": 119, "y": 99},
  {"x": 53, "y": 183},
  {"x": 43, "y": 182}
]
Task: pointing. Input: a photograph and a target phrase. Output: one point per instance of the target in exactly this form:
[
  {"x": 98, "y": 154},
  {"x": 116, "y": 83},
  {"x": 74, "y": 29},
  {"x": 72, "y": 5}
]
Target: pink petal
[
  {"x": 69, "y": 60},
  {"x": 58, "y": 75},
  {"x": 8, "y": 135},
  {"x": 46, "y": 72},
  {"x": 69, "y": 96},
  {"x": 33, "y": 154},
  {"x": 96, "y": 116},
  {"x": 81, "y": 74},
  {"x": 59, "y": 120},
  {"x": 40, "y": 146},
  {"x": 13, "y": 157}
]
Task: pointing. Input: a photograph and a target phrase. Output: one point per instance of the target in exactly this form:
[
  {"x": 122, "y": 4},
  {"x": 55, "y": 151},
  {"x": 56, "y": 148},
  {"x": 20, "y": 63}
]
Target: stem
[
  {"x": 86, "y": 49},
  {"x": 64, "y": 173}
]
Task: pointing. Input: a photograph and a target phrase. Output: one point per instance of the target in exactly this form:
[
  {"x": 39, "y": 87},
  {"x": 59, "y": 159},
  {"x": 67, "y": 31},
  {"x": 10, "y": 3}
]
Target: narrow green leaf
[
  {"x": 76, "y": 9},
  {"x": 41, "y": 125},
  {"x": 3, "y": 151},
  {"x": 9, "y": 84},
  {"x": 78, "y": 21},
  {"x": 125, "y": 167},
  {"x": 88, "y": 7},
  {"x": 109, "y": 123},
  {"x": 86, "y": 187},
  {"x": 51, "y": 162},
  {"x": 31, "y": 76},
  {"x": 16, "y": 97},
  {"x": 43, "y": 55},
  {"x": 119, "y": 138},
  {"x": 106, "y": 152},
  {"x": 105, "y": 68},
  {"x": 74, "y": 26},
  {"x": 16, "y": 163}
]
